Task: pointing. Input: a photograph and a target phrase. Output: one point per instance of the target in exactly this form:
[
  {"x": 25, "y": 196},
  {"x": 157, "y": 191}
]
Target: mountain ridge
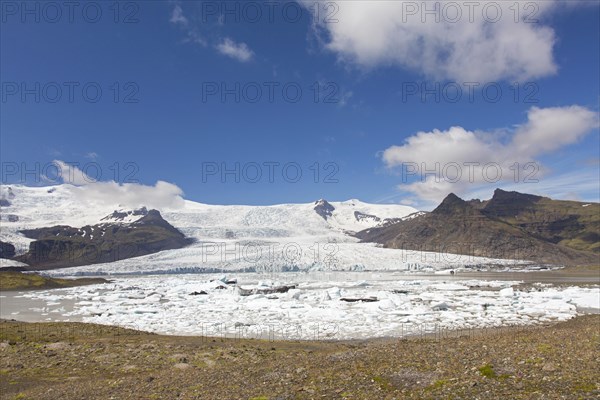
[
  {"x": 511, "y": 225},
  {"x": 63, "y": 246}
]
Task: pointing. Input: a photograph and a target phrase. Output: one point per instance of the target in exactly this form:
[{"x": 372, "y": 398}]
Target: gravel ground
[{"x": 83, "y": 361}]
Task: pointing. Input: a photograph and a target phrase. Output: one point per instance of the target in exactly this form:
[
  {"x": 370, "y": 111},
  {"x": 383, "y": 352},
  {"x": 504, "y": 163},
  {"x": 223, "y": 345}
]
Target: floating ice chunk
[
  {"x": 386, "y": 305},
  {"x": 589, "y": 298},
  {"x": 335, "y": 292},
  {"x": 443, "y": 306},
  {"x": 507, "y": 292},
  {"x": 144, "y": 311},
  {"x": 449, "y": 286}
]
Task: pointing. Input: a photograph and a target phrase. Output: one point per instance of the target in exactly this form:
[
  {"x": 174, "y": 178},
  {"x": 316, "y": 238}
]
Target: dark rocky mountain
[
  {"x": 324, "y": 208},
  {"x": 362, "y": 216},
  {"x": 511, "y": 225},
  {"x": 7, "y": 250},
  {"x": 64, "y": 246}
]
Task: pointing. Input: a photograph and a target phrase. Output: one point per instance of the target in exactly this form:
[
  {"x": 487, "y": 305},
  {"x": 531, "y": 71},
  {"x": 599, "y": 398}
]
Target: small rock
[
  {"x": 549, "y": 367},
  {"x": 56, "y": 346},
  {"x": 182, "y": 366}
]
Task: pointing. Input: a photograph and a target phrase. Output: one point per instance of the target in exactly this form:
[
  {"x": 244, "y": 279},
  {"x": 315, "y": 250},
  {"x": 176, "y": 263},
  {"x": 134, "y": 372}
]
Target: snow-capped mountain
[
  {"x": 285, "y": 236},
  {"x": 37, "y": 207}
]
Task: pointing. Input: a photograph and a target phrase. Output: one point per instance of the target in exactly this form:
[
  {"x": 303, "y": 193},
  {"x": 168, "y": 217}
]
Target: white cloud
[
  {"x": 344, "y": 98},
  {"x": 464, "y": 41},
  {"x": 177, "y": 16},
  {"x": 163, "y": 195},
  {"x": 179, "y": 19},
  {"x": 238, "y": 51},
  {"x": 71, "y": 174},
  {"x": 432, "y": 164}
]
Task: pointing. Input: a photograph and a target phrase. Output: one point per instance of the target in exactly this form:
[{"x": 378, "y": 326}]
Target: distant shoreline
[{"x": 11, "y": 281}]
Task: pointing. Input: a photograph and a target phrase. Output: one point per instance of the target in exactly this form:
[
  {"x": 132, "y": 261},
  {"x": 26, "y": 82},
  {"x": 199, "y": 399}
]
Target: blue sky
[{"x": 162, "y": 66}]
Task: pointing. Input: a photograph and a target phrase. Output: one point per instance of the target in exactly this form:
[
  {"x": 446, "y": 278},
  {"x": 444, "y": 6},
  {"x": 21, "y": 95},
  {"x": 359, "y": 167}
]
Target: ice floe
[{"x": 302, "y": 306}]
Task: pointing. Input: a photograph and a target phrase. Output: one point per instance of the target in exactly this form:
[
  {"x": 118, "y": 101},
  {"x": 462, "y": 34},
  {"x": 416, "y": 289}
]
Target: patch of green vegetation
[
  {"x": 544, "y": 348},
  {"x": 576, "y": 226},
  {"x": 534, "y": 360},
  {"x": 383, "y": 382},
  {"x": 11, "y": 280},
  {"x": 259, "y": 398},
  {"x": 488, "y": 371},
  {"x": 20, "y": 396},
  {"x": 438, "y": 384},
  {"x": 585, "y": 387}
]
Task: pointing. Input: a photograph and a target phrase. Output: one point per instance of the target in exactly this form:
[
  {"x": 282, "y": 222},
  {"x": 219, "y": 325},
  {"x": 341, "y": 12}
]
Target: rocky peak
[
  {"x": 126, "y": 216},
  {"x": 324, "y": 208},
  {"x": 500, "y": 194},
  {"x": 359, "y": 216},
  {"x": 451, "y": 204},
  {"x": 506, "y": 204}
]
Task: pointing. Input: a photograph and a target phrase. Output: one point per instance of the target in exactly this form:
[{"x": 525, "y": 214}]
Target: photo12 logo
[
  {"x": 69, "y": 92},
  {"x": 270, "y": 330},
  {"x": 271, "y": 257},
  {"x": 454, "y": 12},
  {"x": 470, "y": 171},
  {"x": 252, "y": 12},
  {"x": 471, "y": 92},
  {"x": 268, "y": 172},
  {"x": 270, "y": 92},
  {"x": 71, "y": 12},
  {"x": 417, "y": 256},
  {"x": 67, "y": 172}
]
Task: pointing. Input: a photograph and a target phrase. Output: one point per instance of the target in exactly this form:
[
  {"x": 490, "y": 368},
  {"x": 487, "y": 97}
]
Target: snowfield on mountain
[{"x": 311, "y": 236}]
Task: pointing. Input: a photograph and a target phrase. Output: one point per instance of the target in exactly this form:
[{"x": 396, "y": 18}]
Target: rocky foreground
[{"x": 76, "y": 361}]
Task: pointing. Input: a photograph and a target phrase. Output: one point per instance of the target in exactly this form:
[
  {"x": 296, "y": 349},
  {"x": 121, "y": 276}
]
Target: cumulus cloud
[
  {"x": 163, "y": 195},
  {"x": 432, "y": 164},
  {"x": 479, "y": 41},
  {"x": 237, "y": 51},
  {"x": 69, "y": 173}
]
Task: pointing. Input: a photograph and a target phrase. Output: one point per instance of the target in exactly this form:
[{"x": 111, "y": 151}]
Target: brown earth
[{"x": 84, "y": 361}]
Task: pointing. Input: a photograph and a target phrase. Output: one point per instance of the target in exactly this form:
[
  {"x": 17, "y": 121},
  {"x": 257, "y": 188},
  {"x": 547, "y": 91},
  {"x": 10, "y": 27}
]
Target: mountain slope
[
  {"x": 42, "y": 207},
  {"x": 64, "y": 246},
  {"x": 245, "y": 236},
  {"x": 510, "y": 226},
  {"x": 568, "y": 223}
]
